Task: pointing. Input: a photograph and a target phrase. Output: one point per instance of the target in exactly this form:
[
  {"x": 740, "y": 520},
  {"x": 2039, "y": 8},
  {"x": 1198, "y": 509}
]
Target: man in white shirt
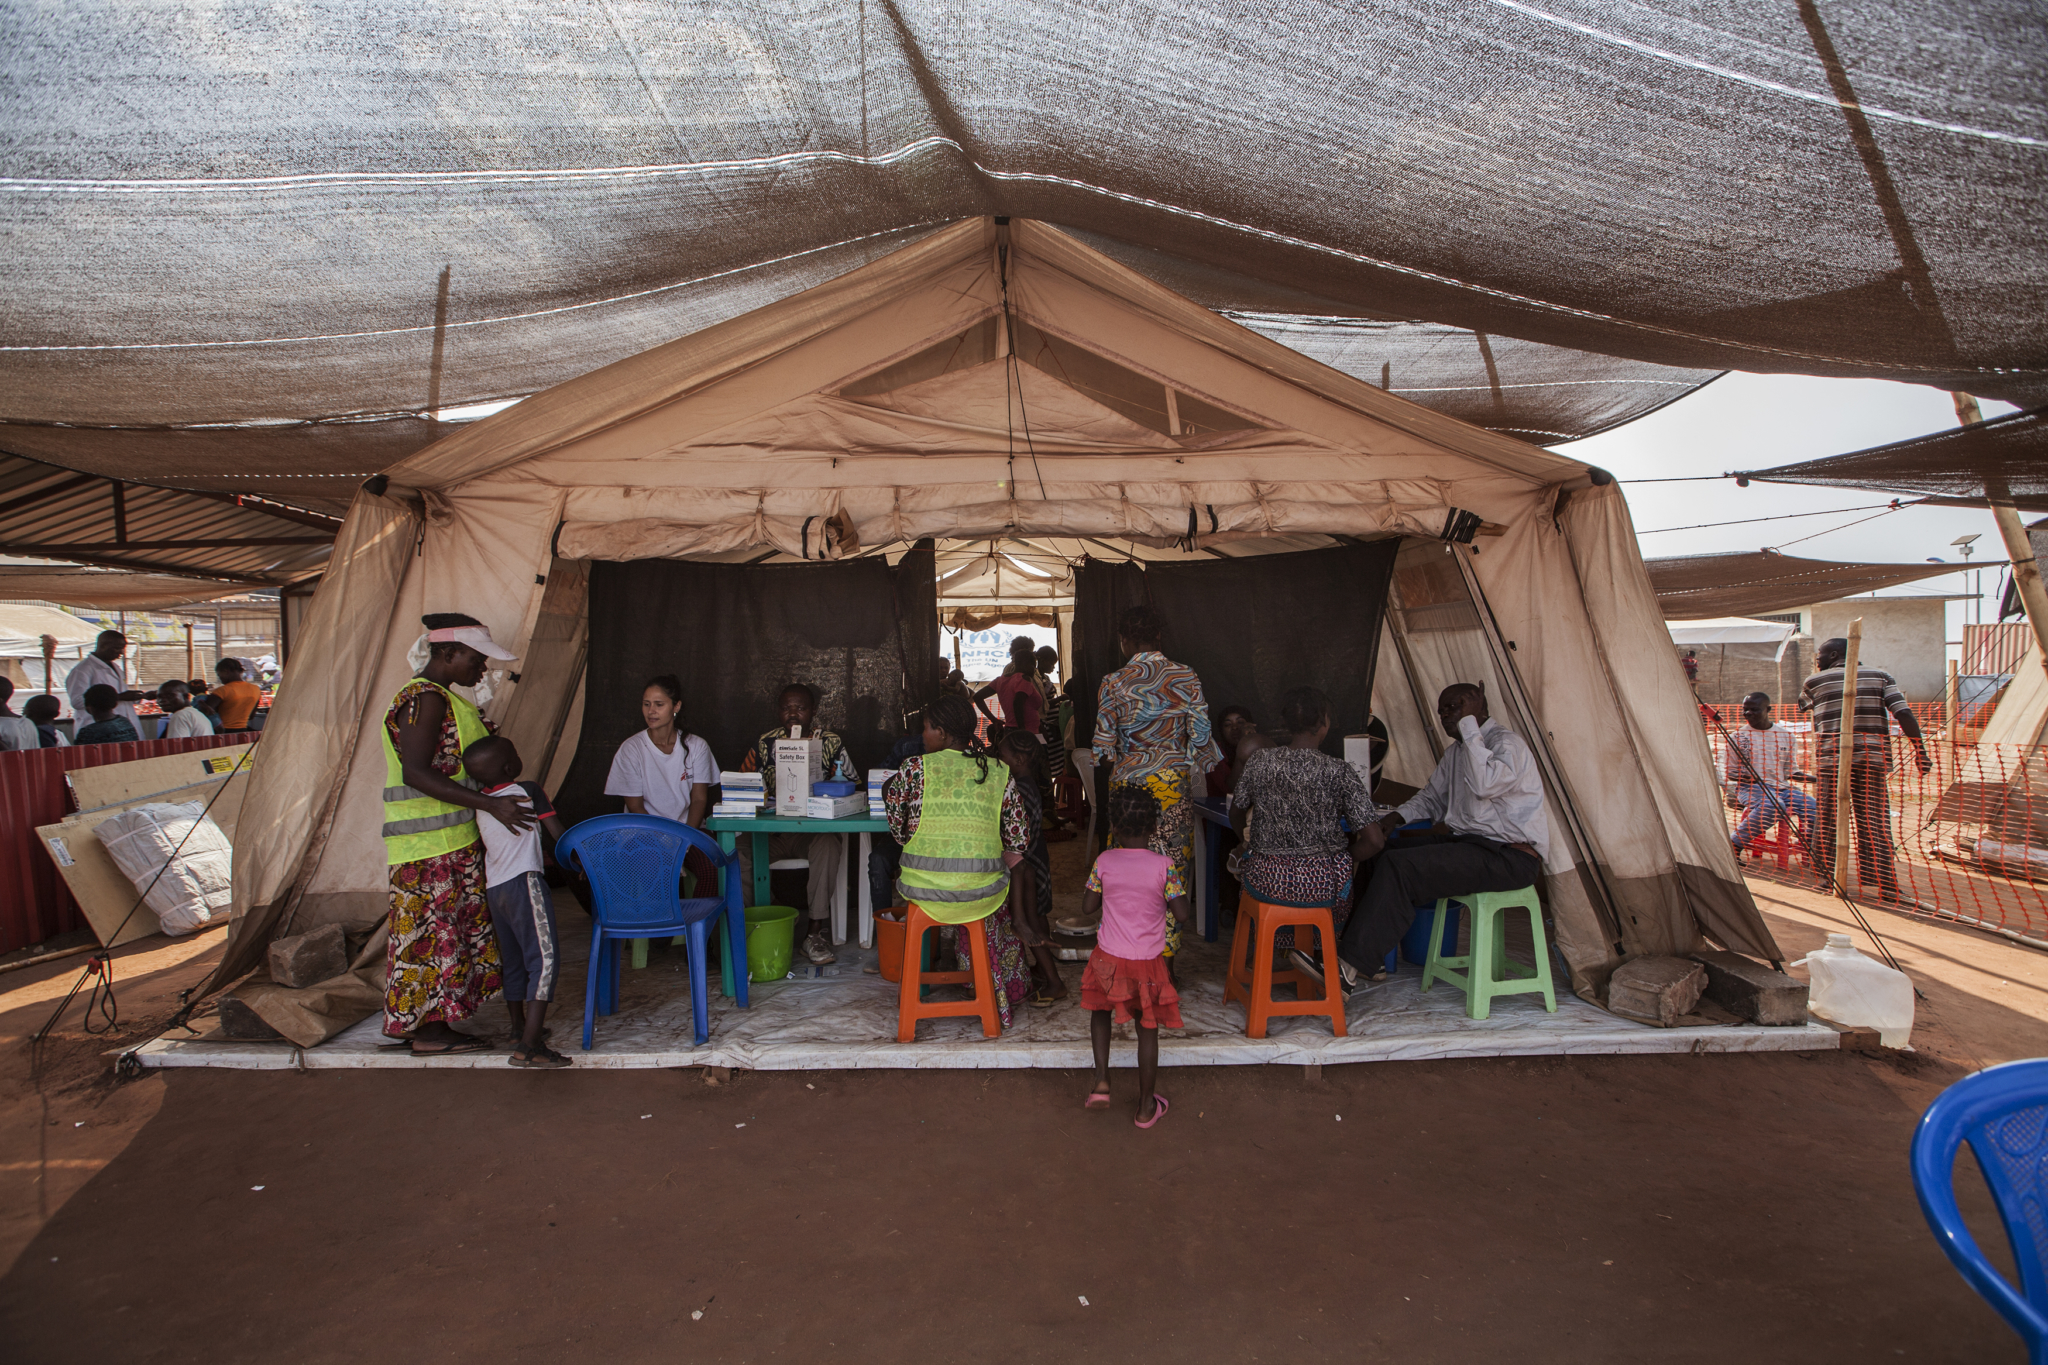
[
  {"x": 103, "y": 665},
  {"x": 1760, "y": 766},
  {"x": 16, "y": 732},
  {"x": 1488, "y": 789},
  {"x": 183, "y": 719}
]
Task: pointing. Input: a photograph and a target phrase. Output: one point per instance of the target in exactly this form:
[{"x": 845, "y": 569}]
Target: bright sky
[{"x": 1754, "y": 421}]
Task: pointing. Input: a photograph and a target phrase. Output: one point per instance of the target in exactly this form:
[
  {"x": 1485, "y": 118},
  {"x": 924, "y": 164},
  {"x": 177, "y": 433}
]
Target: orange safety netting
[{"x": 1967, "y": 840}]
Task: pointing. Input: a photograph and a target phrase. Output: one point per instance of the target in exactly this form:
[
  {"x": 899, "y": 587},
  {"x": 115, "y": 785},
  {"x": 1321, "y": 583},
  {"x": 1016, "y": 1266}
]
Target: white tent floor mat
[{"x": 843, "y": 1018}]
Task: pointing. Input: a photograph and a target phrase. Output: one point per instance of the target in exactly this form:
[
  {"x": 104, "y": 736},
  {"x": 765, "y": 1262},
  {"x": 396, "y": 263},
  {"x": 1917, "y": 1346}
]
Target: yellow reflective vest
[
  {"x": 419, "y": 826},
  {"x": 953, "y": 865}
]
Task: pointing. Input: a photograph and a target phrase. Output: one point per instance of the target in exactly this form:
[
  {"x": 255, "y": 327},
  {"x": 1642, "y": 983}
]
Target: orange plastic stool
[
  {"x": 910, "y": 1007},
  {"x": 1254, "y": 984},
  {"x": 1786, "y": 846}
]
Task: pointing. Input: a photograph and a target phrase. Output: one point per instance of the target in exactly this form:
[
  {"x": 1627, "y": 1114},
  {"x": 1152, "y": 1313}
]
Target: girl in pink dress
[{"x": 1133, "y": 889}]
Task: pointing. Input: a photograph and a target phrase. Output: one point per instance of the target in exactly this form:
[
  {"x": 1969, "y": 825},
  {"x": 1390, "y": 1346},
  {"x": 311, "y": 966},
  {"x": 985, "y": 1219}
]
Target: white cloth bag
[{"x": 196, "y": 886}]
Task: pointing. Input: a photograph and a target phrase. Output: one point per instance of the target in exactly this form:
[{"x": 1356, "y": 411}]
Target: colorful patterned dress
[
  {"x": 443, "y": 956},
  {"x": 904, "y": 800},
  {"x": 1153, "y": 725}
]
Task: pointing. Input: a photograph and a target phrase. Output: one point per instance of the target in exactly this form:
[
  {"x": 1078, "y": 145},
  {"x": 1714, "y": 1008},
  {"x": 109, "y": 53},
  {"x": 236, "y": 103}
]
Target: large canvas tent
[{"x": 1000, "y": 382}]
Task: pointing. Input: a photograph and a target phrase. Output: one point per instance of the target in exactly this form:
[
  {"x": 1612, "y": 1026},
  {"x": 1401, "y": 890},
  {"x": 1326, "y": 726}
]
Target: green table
[{"x": 728, "y": 828}]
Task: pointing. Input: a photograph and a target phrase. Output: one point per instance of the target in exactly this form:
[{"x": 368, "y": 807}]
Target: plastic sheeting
[
  {"x": 1731, "y": 630},
  {"x": 366, "y": 208}
]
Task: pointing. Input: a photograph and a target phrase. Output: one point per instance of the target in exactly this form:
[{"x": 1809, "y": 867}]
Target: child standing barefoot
[{"x": 1134, "y": 889}]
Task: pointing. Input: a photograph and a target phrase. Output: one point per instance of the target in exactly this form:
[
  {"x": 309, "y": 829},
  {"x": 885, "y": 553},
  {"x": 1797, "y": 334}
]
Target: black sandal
[{"x": 542, "y": 1058}]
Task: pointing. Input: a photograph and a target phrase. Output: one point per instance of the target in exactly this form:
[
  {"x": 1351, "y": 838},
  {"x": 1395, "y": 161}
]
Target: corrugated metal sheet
[
  {"x": 35, "y": 905},
  {"x": 50, "y": 512}
]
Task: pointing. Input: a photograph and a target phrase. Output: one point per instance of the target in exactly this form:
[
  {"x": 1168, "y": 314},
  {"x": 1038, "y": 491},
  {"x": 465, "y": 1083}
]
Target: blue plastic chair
[
  {"x": 2003, "y": 1114},
  {"x": 635, "y": 866}
]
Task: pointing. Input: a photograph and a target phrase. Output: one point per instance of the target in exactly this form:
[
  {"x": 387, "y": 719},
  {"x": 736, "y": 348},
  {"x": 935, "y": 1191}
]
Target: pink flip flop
[
  {"x": 1158, "y": 1111},
  {"x": 1096, "y": 1100}
]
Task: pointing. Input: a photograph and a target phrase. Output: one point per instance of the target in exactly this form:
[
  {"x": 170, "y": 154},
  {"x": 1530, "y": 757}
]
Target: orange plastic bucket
[{"x": 889, "y": 948}]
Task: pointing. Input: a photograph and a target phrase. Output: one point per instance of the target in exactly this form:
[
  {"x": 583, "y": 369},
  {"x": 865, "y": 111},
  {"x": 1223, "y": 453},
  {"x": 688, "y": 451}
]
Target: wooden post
[
  {"x": 49, "y": 662},
  {"x": 1845, "y": 754},
  {"x": 1955, "y": 703},
  {"x": 189, "y": 659}
]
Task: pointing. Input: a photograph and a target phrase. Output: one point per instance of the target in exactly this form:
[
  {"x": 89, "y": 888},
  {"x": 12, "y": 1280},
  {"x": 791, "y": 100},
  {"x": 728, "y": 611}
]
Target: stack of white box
[
  {"x": 878, "y": 778},
  {"x": 743, "y": 794}
]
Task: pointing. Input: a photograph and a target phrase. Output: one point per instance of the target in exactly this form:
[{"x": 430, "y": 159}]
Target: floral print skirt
[
  {"x": 1005, "y": 958},
  {"x": 443, "y": 955},
  {"x": 1175, "y": 837}
]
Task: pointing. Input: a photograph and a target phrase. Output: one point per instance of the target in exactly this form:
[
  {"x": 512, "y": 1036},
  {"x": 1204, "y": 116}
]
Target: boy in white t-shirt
[{"x": 522, "y": 910}]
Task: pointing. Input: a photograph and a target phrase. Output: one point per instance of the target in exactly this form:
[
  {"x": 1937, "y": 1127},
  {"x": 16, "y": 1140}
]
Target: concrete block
[
  {"x": 1656, "y": 990},
  {"x": 309, "y": 958},
  {"x": 243, "y": 1024},
  {"x": 1752, "y": 990}
]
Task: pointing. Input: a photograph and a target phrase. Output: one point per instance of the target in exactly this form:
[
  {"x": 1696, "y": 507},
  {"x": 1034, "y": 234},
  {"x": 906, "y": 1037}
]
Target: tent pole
[
  {"x": 1592, "y": 871},
  {"x": 1845, "y": 755}
]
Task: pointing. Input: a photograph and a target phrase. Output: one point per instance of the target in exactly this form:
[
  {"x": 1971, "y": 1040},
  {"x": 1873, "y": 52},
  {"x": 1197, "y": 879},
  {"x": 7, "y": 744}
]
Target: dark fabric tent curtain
[
  {"x": 2005, "y": 459},
  {"x": 735, "y": 635},
  {"x": 1250, "y": 628}
]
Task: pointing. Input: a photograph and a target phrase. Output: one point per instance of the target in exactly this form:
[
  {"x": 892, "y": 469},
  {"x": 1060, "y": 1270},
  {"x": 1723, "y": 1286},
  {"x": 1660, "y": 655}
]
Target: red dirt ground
[{"x": 1688, "y": 1208}]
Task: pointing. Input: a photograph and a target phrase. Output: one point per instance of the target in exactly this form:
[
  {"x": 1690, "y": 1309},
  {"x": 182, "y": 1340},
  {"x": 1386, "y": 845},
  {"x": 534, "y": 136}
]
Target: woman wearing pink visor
[{"x": 443, "y": 955}]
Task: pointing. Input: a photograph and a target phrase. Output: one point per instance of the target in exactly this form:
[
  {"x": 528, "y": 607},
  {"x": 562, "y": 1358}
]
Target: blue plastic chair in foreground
[
  {"x": 635, "y": 866},
  {"x": 2003, "y": 1114}
]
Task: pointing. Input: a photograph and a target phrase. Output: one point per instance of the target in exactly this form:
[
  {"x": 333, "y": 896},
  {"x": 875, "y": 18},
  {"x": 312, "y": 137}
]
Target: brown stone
[
  {"x": 309, "y": 958},
  {"x": 1656, "y": 990},
  {"x": 1752, "y": 990},
  {"x": 717, "y": 1075},
  {"x": 243, "y": 1024}
]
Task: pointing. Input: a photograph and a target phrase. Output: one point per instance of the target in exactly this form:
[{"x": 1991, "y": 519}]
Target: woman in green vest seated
[
  {"x": 443, "y": 955},
  {"x": 963, "y": 826}
]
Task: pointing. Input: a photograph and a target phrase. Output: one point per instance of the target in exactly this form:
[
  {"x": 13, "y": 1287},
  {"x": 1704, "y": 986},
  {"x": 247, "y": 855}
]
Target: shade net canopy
[
  {"x": 2003, "y": 460},
  {"x": 373, "y": 211},
  {"x": 109, "y": 590},
  {"x": 1751, "y": 583}
]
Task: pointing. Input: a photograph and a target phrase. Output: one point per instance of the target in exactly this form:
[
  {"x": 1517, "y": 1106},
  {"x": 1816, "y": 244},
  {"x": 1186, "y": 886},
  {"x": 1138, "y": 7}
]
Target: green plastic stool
[{"x": 1488, "y": 970}]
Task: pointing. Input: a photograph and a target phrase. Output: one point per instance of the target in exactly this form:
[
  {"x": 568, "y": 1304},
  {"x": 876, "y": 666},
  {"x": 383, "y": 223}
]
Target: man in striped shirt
[{"x": 1877, "y": 702}]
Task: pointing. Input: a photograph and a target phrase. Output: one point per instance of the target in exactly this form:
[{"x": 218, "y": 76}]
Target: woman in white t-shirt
[{"x": 665, "y": 770}]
